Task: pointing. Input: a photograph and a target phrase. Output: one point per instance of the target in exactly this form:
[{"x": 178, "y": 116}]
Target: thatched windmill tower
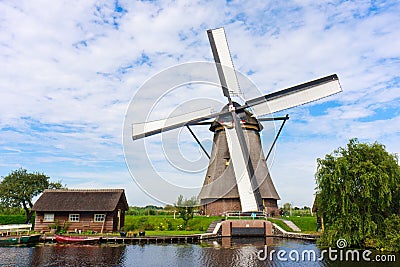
[{"x": 219, "y": 193}]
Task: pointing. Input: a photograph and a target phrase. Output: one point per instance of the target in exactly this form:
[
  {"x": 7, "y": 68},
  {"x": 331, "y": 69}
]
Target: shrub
[
  {"x": 391, "y": 241},
  {"x": 161, "y": 227},
  {"x": 148, "y": 226},
  {"x": 169, "y": 225},
  {"x": 12, "y": 219}
]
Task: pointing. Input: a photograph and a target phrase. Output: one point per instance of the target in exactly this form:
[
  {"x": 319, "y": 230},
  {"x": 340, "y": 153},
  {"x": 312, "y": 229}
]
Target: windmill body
[
  {"x": 237, "y": 178},
  {"x": 220, "y": 191}
]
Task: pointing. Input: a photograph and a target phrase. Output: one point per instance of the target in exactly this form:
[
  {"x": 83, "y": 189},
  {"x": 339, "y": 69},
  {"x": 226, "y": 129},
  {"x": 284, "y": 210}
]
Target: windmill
[{"x": 234, "y": 120}]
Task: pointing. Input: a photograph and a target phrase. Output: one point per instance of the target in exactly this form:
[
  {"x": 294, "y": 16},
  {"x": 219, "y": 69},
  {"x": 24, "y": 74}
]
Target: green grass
[
  {"x": 162, "y": 223},
  {"x": 170, "y": 233},
  {"x": 306, "y": 223},
  {"x": 281, "y": 224}
]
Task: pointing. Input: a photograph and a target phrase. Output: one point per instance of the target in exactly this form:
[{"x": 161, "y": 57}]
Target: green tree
[
  {"x": 169, "y": 207},
  {"x": 391, "y": 238},
  {"x": 357, "y": 187},
  {"x": 287, "y": 208},
  {"x": 186, "y": 207},
  {"x": 19, "y": 188}
]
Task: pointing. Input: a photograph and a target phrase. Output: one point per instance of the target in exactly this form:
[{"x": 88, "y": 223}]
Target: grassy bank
[
  {"x": 306, "y": 223},
  {"x": 167, "y": 224},
  {"x": 172, "y": 233},
  {"x": 281, "y": 224}
]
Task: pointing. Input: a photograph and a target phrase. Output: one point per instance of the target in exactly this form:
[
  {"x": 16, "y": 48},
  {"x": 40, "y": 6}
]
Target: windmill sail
[
  {"x": 239, "y": 162},
  {"x": 295, "y": 96},
  {"x": 223, "y": 60},
  {"x": 250, "y": 198},
  {"x": 144, "y": 129}
]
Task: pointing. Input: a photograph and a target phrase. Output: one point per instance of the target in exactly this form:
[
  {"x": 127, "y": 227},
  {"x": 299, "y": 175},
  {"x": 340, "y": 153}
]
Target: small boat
[
  {"x": 16, "y": 240},
  {"x": 76, "y": 239},
  {"x": 29, "y": 239},
  {"x": 9, "y": 240}
]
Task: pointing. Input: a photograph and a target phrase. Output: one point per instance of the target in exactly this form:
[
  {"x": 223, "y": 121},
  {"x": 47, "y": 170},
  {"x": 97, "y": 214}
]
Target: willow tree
[
  {"x": 358, "y": 187},
  {"x": 19, "y": 188}
]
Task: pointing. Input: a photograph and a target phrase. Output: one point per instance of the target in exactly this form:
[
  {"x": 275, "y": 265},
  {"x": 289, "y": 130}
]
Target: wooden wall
[{"x": 86, "y": 221}]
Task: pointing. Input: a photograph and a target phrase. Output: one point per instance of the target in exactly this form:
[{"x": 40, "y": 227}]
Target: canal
[{"x": 225, "y": 252}]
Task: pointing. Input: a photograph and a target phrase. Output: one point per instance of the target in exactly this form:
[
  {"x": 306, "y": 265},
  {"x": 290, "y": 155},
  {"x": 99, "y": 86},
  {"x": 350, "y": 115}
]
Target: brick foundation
[
  {"x": 264, "y": 227},
  {"x": 220, "y": 206}
]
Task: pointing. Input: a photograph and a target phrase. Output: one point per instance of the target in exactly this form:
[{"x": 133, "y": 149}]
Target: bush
[
  {"x": 13, "y": 219},
  {"x": 169, "y": 225},
  {"x": 148, "y": 226},
  {"x": 391, "y": 240},
  {"x": 59, "y": 229}
]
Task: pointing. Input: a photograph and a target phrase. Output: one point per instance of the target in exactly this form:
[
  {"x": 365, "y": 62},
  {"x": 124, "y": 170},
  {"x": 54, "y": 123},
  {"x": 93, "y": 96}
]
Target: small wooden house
[{"x": 99, "y": 210}]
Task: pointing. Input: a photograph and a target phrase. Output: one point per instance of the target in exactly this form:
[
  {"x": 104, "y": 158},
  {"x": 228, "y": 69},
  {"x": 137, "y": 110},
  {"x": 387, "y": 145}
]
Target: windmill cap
[{"x": 245, "y": 116}]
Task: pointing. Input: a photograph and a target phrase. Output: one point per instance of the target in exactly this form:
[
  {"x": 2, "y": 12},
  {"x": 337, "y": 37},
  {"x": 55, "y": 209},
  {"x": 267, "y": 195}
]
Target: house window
[
  {"x": 74, "y": 217},
  {"x": 99, "y": 217},
  {"x": 48, "y": 217}
]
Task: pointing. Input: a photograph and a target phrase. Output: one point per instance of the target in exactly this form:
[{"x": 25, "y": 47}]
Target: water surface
[{"x": 225, "y": 252}]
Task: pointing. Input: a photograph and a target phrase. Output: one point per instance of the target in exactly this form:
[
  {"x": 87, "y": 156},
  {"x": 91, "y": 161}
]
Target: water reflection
[
  {"x": 245, "y": 252},
  {"x": 221, "y": 252},
  {"x": 286, "y": 252},
  {"x": 62, "y": 255}
]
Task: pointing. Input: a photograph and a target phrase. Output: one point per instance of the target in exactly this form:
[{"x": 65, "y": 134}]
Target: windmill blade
[
  {"x": 222, "y": 57},
  {"x": 247, "y": 199},
  {"x": 250, "y": 197},
  {"x": 144, "y": 129},
  {"x": 295, "y": 96}
]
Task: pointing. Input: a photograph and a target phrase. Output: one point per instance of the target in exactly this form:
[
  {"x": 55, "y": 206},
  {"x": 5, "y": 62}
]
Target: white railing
[
  {"x": 244, "y": 215},
  {"x": 15, "y": 228}
]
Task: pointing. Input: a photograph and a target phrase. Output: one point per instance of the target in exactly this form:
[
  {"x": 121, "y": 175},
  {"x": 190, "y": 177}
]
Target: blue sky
[{"x": 71, "y": 68}]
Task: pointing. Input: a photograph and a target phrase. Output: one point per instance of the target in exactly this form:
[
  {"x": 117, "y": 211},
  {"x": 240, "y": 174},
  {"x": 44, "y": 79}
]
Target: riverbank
[
  {"x": 224, "y": 229},
  {"x": 177, "y": 239},
  {"x": 158, "y": 224},
  {"x": 168, "y": 225}
]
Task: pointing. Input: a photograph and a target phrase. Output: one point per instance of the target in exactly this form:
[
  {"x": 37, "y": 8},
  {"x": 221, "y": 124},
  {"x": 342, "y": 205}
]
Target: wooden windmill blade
[
  {"x": 148, "y": 128},
  {"x": 224, "y": 64},
  {"x": 250, "y": 197},
  {"x": 295, "y": 95}
]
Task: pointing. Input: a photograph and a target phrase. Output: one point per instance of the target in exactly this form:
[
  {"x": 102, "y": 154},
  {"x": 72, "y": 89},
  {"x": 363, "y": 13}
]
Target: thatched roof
[{"x": 81, "y": 200}]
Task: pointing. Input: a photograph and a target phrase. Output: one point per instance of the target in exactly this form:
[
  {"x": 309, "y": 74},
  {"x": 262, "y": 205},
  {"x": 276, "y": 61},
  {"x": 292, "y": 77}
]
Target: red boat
[{"x": 76, "y": 239}]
